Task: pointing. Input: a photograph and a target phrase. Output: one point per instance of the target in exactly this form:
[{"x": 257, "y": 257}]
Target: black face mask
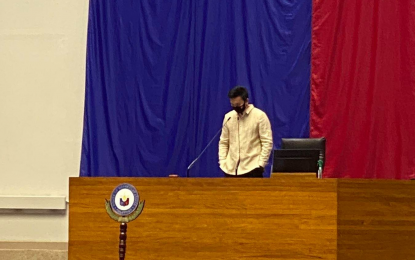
[{"x": 240, "y": 109}]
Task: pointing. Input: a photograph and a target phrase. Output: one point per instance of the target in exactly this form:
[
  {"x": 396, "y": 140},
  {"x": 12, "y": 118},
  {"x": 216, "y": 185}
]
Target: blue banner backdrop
[{"x": 158, "y": 73}]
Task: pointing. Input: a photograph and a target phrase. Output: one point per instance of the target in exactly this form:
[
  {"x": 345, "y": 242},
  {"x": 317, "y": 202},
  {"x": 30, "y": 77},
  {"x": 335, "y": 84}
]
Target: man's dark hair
[{"x": 238, "y": 91}]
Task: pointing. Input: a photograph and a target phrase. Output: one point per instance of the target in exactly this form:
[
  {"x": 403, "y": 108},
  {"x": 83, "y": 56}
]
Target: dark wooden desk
[{"x": 286, "y": 219}]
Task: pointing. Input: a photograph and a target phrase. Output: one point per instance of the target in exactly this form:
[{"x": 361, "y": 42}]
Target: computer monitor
[
  {"x": 306, "y": 143},
  {"x": 296, "y": 160}
]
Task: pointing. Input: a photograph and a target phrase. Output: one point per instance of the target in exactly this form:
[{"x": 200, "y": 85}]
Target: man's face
[{"x": 238, "y": 104}]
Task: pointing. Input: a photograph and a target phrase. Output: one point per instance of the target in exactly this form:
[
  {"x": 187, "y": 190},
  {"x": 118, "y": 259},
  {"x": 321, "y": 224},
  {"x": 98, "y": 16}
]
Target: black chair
[{"x": 306, "y": 143}]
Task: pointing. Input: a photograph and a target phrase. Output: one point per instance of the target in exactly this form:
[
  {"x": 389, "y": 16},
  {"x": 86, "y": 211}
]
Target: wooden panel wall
[{"x": 208, "y": 219}]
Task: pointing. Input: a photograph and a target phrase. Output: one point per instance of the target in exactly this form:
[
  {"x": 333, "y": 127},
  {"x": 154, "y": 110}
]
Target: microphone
[{"x": 197, "y": 158}]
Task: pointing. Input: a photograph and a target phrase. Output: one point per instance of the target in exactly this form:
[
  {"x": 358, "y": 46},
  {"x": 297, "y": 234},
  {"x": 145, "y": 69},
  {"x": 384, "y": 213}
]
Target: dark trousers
[{"x": 255, "y": 173}]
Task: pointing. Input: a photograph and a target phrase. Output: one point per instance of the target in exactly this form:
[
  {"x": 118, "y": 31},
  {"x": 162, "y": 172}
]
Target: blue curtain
[{"x": 158, "y": 73}]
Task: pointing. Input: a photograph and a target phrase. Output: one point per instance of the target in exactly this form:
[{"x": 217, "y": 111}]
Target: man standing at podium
[{"x": 246, "y": 140}]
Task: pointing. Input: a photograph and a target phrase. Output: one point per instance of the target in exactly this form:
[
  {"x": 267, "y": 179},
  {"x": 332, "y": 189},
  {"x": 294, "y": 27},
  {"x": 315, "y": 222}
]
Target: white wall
[{"x": 42, "y": 79}]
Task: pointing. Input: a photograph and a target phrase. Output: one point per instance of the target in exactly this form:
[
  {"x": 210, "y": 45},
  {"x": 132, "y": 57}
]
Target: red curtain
[{"x": 363, "y": 87}]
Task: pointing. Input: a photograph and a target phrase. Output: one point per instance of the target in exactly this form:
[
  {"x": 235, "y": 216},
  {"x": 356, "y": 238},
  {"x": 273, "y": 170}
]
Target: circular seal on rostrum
[{"x": 124, "y": 199}]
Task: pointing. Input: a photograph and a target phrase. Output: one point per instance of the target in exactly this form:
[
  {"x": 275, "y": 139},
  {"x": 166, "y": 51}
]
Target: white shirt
[{"x": 245, "y": 142}]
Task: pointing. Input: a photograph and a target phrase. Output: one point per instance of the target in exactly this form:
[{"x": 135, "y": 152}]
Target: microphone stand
[{"x": 195, "y": 160}]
